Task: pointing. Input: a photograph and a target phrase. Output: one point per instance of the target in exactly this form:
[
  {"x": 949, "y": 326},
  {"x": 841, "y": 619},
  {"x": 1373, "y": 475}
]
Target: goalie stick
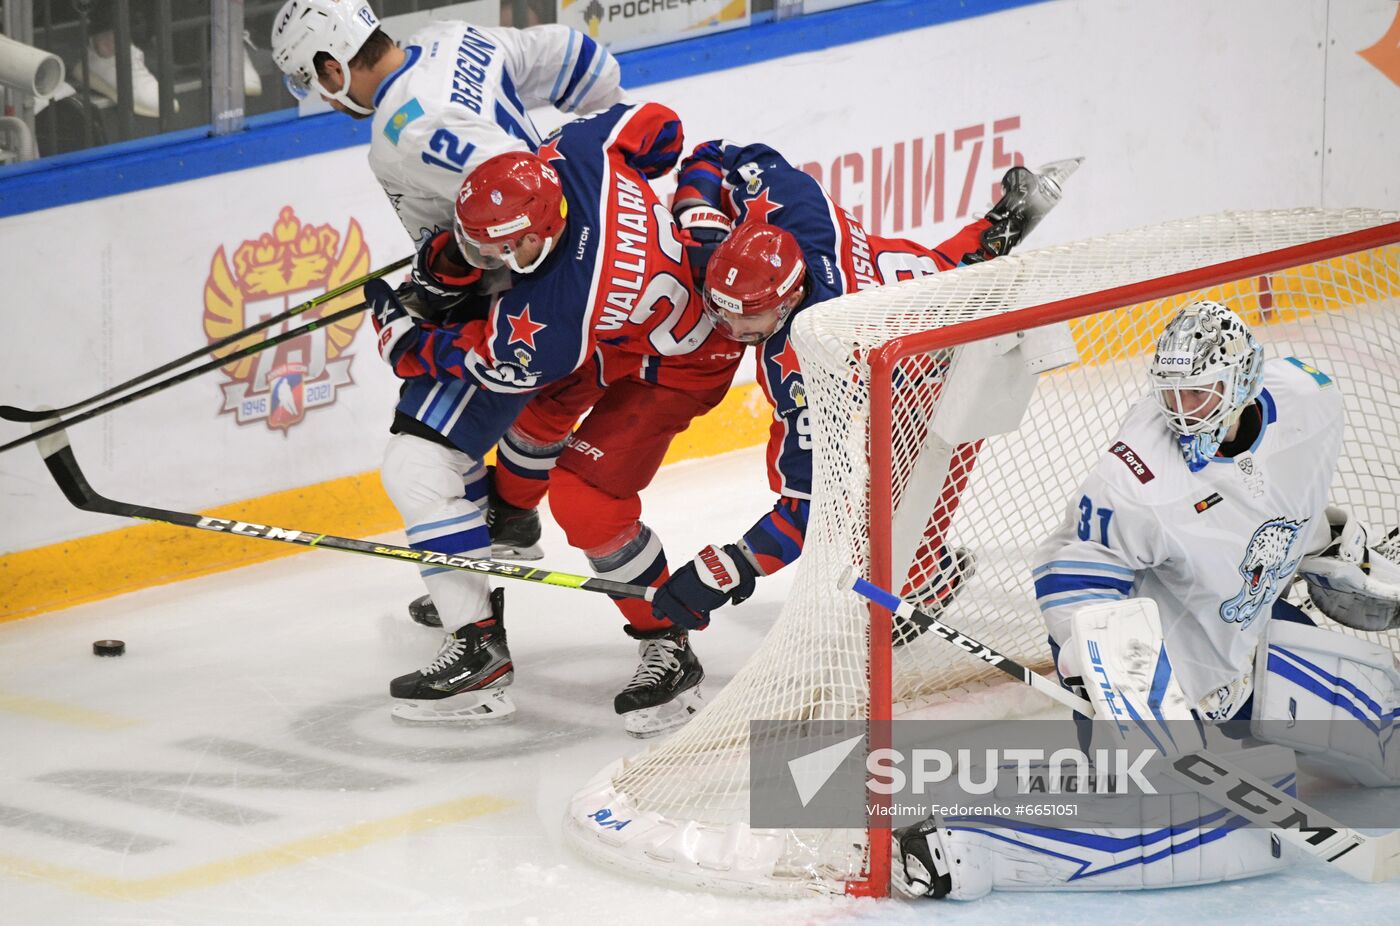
[
  {"x": 63, "y": 466},
  {"x": 1366, "y": 858},
  {"x": 58, "y": 426},
  {"x": 29, "y": 416}
]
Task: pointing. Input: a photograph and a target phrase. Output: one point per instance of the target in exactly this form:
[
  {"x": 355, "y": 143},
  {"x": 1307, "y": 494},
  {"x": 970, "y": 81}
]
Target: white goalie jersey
[
  {"x": 1215, "y": 548},
  {"x": 462, "y": 97}
]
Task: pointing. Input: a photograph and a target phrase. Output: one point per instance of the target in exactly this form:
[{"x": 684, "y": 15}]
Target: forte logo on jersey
[{"x": 282, "y": 267}]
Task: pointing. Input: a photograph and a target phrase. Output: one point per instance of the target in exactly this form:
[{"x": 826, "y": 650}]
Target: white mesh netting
[{"x": 686, "y": 800}]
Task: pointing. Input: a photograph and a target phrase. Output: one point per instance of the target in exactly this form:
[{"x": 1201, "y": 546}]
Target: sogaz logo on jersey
[{"x": 289, "y": 265}]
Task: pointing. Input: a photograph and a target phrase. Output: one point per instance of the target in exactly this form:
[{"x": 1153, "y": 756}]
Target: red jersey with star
[
  {"x": 755, "y": 183},
  {"x": 617, "y": 278}
]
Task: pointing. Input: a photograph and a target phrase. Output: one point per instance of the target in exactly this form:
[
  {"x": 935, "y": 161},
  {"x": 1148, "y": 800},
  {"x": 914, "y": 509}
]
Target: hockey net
[{"x": 899, "y": 380}]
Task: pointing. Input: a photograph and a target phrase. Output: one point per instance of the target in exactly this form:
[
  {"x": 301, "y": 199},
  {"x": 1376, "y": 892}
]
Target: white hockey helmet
[
  {"x": 1207, "y": 368},
  {"x": 304, "y": 28}
]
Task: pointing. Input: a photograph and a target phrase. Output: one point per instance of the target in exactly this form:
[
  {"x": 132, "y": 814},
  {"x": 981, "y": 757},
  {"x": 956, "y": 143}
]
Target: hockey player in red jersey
[
  {"x": 601, "y": 287},
  {"x": 794, "y": 247}
]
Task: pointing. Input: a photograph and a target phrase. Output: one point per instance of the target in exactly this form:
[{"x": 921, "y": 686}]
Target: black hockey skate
[
  {"x": 1027, "y": 196},
  {"x": 515, "y": 532},
  {"x": 665, "y": 691},
  {"x": 424, "y": 612},
  {"x": 466, "y": 682},
  {"x": 934, "y": 598}
]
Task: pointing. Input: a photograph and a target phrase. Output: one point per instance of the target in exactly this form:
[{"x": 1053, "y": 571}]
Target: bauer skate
[
  {"x": 1027, "y": 197},
  {"x": 934, "y": 597},
  {"x": 466, "y": 682},
  {"x": 515, "y": 532},
  {"x": 665, "y": 691}
]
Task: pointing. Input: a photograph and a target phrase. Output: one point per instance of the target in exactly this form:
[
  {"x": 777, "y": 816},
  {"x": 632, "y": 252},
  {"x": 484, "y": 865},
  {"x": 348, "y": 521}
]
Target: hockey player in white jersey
[
  {"x": 1210, "y": 500},
  {"x": 452, "y": 96}
]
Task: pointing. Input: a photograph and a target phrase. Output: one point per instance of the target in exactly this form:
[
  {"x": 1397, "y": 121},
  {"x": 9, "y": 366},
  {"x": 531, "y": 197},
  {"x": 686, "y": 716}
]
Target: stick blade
[
  {"x": 1378, "y": 860},
  {"x": 24, "y": 415}
]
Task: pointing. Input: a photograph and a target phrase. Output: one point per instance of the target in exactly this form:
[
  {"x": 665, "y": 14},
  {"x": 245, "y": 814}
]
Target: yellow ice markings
[
  {"x": 256, "y": 863},
  {"x": 67, "y": 714}
]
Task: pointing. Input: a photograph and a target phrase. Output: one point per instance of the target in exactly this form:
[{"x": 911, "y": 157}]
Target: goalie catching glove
[
  {"x": 1352, "y": 583},
  {"x": 717, "y": 576}
]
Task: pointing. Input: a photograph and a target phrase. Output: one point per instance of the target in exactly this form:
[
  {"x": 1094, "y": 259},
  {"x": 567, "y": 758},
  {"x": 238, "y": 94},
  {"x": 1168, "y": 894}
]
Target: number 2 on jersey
[{"x": 1086, "y": 514}]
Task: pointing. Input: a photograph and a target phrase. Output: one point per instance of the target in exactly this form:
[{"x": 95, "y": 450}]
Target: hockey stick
[
  {"x": 63, "y": 466},
  {"x": 183, "y": 376},
  {"x": 28, "y": 416},
  {"x": 1366, "y": 858}
]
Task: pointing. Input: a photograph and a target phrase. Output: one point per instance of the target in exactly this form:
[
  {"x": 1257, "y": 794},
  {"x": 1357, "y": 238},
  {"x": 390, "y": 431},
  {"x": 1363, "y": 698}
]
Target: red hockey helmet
[
  {"x": 754, "y": 281},
  {"x": 506, "y": 198}
]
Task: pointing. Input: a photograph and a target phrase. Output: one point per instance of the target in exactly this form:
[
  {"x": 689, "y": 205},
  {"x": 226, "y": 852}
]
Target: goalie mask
[
  {"x": 1207, "y": 368},
  {"x": 305, "y": 28},
  {"x": 505, "y": 199},
  {"x": 754, "y": 281}
]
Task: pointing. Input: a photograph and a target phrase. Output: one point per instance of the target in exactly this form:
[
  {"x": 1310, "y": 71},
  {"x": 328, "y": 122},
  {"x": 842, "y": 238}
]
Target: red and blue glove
[
  {"x": 702, "y": 229},
  {"x": 717, "y": 576},
  {"x": 393, "y": 325}
]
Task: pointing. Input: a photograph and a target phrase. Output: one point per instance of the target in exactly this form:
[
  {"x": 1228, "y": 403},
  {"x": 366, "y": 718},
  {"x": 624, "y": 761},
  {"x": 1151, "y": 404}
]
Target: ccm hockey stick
[
  {"x": 63, "y": 466},
  {"x": 1366, "y": 858},
  {"x": 11, "y": 413},
  {"x": 58, "y": 426}
]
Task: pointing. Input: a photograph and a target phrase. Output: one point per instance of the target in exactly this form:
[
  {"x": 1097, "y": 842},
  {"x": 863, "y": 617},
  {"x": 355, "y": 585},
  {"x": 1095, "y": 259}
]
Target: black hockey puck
[{"x": 109, "y": 647}]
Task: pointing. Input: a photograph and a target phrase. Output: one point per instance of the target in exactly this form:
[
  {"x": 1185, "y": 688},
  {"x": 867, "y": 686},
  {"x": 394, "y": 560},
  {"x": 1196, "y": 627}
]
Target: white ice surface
[{"x": 238, "y": 764}]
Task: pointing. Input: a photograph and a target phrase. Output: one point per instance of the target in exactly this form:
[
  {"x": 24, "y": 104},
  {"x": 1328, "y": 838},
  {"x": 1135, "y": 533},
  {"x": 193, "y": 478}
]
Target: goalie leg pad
[
  {"x": 1184, "y": 840},
  {"x": 1332, "y": 697},
  {"x": 435, "y": 488}
]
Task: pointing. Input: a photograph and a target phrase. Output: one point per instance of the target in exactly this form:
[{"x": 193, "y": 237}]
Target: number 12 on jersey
[
  {"x": 451, "y": 147},
  {"x": 1086, "y": 515}
]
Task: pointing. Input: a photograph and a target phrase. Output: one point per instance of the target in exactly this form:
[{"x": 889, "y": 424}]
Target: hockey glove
[
  {"x": 1351, "y": 583},
  {"x": 717, "y": 576},
  {"x": 393, "y": 325},
  {"x": 441, "y": 277},
  {"x": 703, "y": 228}
]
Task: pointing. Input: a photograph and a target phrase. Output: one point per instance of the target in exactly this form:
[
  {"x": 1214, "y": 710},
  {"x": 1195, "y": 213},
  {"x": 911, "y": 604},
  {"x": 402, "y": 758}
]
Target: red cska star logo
[
  {"x": 759, "y": 208},
  {"x": 786, "y": 359},
  {"x": 523, "y": 329},
  {"x": 549, "y": 151}
]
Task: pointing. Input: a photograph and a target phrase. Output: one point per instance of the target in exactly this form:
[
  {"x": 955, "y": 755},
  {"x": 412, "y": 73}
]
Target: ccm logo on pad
[{"x": 1130, "y": 459}]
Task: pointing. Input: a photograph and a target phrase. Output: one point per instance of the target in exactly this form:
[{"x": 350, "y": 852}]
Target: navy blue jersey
[
  {"x": 756, "y": 183},
  {"x": 617, "y": 278}
]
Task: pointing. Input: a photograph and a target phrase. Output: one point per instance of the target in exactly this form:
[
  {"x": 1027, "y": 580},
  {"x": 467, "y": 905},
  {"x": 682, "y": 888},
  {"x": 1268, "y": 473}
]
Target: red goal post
[{"x": 1038, "y": 356}]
